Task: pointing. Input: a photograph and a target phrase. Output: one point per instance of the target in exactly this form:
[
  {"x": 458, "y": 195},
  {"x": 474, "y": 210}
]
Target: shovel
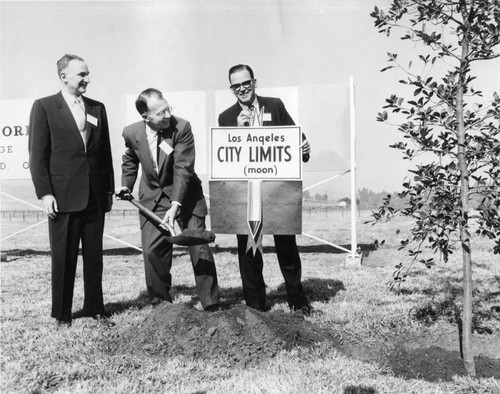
[{"x": 187, "y": 237}]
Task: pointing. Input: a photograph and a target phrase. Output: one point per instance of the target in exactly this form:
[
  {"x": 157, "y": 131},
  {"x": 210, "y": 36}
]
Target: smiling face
[
  {"x": 159, "y": 112},
  {"x": 243, "y": 86},
  {"x": 75, "y": 77}
]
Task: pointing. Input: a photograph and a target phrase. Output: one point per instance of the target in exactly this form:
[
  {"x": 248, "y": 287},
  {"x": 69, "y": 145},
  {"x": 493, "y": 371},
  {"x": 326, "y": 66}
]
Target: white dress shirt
[
  {"x": 255, "y": 120},
  {"x": 78, "y": 112},
  {"x": 152, "y": 137}
]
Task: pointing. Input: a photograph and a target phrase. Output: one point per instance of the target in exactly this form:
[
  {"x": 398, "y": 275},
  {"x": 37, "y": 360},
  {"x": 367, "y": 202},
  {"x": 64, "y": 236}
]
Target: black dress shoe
[
  {"x": 82, "y": 313},
  {"x": 64, "y": 322},
  {"x": 213, "y": 308}
]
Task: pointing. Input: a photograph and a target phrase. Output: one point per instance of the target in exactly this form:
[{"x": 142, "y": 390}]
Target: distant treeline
[{"x": 368, "y": 199}]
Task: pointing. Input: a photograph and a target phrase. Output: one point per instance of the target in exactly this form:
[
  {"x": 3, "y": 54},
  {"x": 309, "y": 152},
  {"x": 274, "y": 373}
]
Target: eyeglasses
[
  {"x": 165, "y": 113},
  {"x": 245, "y": 84}
]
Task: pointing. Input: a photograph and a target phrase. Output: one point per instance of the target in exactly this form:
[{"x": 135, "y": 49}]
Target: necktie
[
  {"x": 250, "y": 108},
  {"x": 81, "y": 119},
  {"x": 160, "y": 153},
  {"x": 158, "y": 142},
  {"x": 79, "y": 113}
]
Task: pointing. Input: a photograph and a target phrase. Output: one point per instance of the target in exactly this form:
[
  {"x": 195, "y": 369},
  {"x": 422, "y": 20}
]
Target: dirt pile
[{"x": 239, "y": 335}]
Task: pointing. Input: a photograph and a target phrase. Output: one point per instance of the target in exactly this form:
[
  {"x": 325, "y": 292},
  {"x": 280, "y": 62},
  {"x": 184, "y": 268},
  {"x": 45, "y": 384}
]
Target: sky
[{"x": 188, "y": 46}]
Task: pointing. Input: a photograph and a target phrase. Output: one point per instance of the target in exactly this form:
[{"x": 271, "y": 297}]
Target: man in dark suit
[
  {"x": 164, "y": 146},
  {"x": 72, "y": 171},
  {"x": 242, "y": 114}
]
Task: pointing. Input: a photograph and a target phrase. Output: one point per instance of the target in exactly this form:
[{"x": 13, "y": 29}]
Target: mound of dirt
[{"x": 239, "y": 335}]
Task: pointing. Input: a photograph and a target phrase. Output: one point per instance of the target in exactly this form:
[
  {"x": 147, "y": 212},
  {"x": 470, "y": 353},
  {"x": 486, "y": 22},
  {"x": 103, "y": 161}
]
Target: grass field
[{"x": 419, "y": 321}]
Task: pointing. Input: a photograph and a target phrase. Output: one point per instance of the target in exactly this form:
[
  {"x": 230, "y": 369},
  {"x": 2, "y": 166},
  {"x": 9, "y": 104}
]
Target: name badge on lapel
[
  {"x": 268, "y": 117},
  {"x": 166, "y": 147},
  {"x": 92, "y": 119}
]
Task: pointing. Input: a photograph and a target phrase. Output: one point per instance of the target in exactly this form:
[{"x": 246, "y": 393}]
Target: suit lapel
[
  {"x": 163, "y": 155},
  {"x": 263, "y": 103},
  {"x": 167, "y": 136},
  {"x": 236, "y": 111},
  {"x": 90, "y": 110},
  {"x": 68, "y": 119},
  {"x": 143, "y": 146}
]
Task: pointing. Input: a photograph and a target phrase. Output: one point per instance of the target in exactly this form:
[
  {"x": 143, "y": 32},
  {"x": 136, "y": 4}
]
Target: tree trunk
[{"x": 467, "y": 352}]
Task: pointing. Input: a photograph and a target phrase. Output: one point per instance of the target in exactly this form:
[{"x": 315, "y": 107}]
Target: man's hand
[
  {"x": 50, "y": 207},
  {"x": 306, "y": 148},
  {"x": 110, "y": 200},
  {"x": 121, "y": 192},
  {"x": 171, "y": 214},
  {"x": 243, "y": 119}
]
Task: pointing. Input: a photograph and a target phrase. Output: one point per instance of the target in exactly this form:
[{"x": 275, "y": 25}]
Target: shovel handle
[
  {"x": 170, "y": 229},
  {"x": 150, "y": 214}
]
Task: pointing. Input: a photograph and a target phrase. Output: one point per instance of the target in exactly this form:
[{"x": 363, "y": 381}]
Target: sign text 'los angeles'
[{"x": 256, "y": 153}]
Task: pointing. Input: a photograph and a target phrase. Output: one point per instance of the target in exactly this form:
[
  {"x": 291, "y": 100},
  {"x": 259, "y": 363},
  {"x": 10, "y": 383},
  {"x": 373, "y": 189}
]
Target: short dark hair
[
  {"x": 240, "y": 67},
  {"x": 141, "y": 103},
  {"x": 62, "y": 63}
]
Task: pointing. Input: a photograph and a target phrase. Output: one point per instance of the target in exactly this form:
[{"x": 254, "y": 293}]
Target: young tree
[{"x": 452, "y": 127}]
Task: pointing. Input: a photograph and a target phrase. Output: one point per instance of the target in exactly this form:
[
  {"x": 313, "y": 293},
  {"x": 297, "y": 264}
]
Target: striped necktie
[
  {"x": 79, "y": 113},
  {"x": 81, "y": 119}
]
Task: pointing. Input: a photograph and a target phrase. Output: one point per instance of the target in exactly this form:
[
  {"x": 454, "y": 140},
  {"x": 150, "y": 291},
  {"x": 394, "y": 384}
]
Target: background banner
[
  {"x": 14, "y": 120},
  {"x": 322, "y": 111}
]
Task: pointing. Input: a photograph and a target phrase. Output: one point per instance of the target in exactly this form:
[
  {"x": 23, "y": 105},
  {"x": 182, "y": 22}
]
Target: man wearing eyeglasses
[
  {"x": 243, "y": 114},
  {"x": 164, "y": 146}
]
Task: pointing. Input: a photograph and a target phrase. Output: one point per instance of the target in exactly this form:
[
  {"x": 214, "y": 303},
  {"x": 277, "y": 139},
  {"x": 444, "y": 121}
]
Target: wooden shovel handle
[
  {"x": 170, "y": 229},
  {"x": 149, "y": 214}
]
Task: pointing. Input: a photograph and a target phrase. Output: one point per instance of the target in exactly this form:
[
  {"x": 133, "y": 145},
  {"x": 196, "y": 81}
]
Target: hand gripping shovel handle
[
  {"x": 186, "y": 238},
  {"x": 148, "y": 213}
]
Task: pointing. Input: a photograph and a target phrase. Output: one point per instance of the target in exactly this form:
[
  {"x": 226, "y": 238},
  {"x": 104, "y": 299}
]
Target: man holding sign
[
  {"x": 164, "y": 146},
  {"x": 253, "y": 110}
]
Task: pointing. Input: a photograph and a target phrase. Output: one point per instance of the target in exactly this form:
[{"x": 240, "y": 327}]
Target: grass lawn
[{"x": 356, "y": 302}]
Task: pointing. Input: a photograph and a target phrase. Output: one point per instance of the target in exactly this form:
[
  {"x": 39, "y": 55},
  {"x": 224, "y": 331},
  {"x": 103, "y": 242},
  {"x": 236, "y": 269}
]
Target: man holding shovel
[{"x": 164, "y": 146}]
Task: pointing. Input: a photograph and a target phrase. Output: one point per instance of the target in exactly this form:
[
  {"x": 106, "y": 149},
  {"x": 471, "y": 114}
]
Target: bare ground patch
[
  {"x": 241, "y": 336},
  {"x": 428, "y": 357},
  {"x": 236, "y": 336}
]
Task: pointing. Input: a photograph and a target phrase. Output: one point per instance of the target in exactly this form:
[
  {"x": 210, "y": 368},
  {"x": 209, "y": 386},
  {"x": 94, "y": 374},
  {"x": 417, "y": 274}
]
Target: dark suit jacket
[
  {"x": 176, "y": 178},
  {"x": 59, "y": 164},
  {"x": 273, "y": 106}
]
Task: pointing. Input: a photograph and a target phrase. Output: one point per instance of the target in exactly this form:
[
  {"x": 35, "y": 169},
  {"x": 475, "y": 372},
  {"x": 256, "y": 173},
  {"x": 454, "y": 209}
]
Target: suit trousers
[
  {"x": 251, "y": 266},
  {"x": 65, "y": 233},
  {"x": 157, "y": 253}
]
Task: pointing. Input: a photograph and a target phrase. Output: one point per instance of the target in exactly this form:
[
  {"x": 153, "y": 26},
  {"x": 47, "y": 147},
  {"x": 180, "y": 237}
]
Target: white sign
[
  {"x": 256, "y": 153},
  {"x": 14, "y": 158}
]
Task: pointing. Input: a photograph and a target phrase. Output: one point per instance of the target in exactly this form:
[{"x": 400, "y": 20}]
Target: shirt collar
[
  {"x": 255, "y": 103},
  {"x": 69, "y": 98},
  {"x": 149, "y": 131}
]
